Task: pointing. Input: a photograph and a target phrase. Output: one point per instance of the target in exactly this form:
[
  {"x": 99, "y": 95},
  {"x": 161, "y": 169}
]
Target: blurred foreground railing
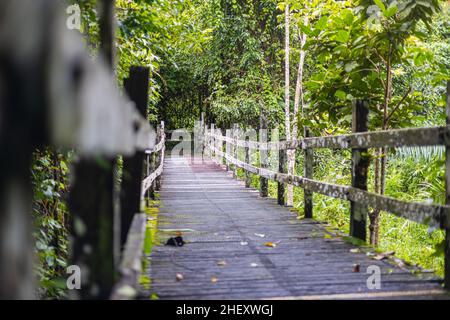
[{"x": 53, "y": 94}]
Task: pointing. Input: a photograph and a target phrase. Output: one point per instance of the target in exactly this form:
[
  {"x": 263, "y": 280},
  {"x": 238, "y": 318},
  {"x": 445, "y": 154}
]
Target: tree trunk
[
  {"x": 380, "y": 169},
  {"x": 290, "y": 153},
  {"x": 297, "y": 100}
]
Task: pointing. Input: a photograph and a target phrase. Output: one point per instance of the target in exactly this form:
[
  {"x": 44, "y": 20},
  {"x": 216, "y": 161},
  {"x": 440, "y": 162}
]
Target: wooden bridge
[
  {"x": 242, "y": 245},
  {"x": 239, "y": 243}
]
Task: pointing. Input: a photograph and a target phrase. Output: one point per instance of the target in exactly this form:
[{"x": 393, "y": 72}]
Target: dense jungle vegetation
[{"x": 231, "y": 58}]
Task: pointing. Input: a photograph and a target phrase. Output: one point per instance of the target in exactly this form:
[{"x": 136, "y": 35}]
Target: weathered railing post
[
  {"x": 137, "y": 88},
  {"x": 202, "y": 135},
  {"x": 160, "y": 155},
  {"x": 235, "y": 149},
  {"x": 308, "y": 171},
  {"x": 263, "y": 155},
  {"x": 152, "y": 166},
  {"x": 92, "y": 199},
  {"x": 248, "y": 178},
  {"x": 147, "y": 172},
  {"x": 228, "y": 148},
  {"x": 212, "y": 142},
  {"x": 446, "y": 219},
  {"x": 360, "y": 165},
  {"x": 282, "y": 168}
]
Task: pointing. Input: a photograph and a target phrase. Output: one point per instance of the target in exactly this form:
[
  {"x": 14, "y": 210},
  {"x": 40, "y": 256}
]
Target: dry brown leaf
[
  {"x": 270, "y": 244},
  {"x": 213, "y": 279},
  {"x": 356, "y": 267}
]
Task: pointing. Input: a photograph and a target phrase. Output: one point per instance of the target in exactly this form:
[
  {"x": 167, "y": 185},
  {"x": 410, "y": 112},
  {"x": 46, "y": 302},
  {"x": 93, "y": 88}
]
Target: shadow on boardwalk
[{"x": 228, "y": 227}]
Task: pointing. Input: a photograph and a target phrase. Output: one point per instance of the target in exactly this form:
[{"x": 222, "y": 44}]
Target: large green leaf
[{"x": 342, "y": 36}]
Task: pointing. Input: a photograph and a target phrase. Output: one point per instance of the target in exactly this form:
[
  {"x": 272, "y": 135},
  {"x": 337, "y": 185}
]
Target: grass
[{"x": 150, "y": 239}]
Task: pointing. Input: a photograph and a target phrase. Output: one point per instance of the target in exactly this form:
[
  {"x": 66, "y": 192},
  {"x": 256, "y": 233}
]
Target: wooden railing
[
  {"x": 359, "y": 141},
  {"x": 154, "y": 165},
  {"x": 54, "y": 94}
]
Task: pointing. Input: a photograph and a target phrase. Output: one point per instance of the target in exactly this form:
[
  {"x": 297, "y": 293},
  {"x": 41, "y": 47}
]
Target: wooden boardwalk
[{"x": 227, "y": 228}]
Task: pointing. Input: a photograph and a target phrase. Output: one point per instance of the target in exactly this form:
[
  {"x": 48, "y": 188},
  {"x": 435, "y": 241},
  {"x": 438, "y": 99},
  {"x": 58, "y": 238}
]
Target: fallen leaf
[
  {"x": 244, "y": 243},
  {"x": 270, "y": 244},
  {"x": 222, "y": 263},
  {"x": 179, "y": 277},
  {"x": 213, "y": 279},
  {"x": 384, "y": 255},
  {"x": 356, "y": 250},
  {"x": 253, "y": 265},
  {"x": 356, "y": 267},
  {"x": 379, "y": 257},
  {"x": 260, "y": 235}
]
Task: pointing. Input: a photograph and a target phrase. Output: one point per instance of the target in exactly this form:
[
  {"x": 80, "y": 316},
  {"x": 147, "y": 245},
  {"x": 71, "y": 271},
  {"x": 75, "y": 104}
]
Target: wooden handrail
[
  {"x": 409, "y": 137},
  {"x": 153, "y": 174},
  {"x": 431, "y": 215}
]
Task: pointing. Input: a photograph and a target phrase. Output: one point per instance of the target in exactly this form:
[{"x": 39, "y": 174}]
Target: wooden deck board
[{"x": 221, "y": 220}]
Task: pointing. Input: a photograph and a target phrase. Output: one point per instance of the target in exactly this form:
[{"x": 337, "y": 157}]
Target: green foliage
[{"x": 50, "y": 181}]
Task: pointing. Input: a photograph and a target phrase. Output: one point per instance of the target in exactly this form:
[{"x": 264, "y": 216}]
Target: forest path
[{"x": 228, "y": 230}]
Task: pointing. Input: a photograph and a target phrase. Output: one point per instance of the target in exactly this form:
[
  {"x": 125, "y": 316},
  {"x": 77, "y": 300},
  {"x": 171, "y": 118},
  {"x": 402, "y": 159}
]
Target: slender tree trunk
[
  {"x": 380, "y": 164},
  {"x": 290, "y": 153},
  {"x": 297, "y": 100}
]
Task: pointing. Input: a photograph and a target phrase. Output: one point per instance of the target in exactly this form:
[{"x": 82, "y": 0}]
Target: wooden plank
[
  {"x": 360, "y": 166},
  {"x": 309, "y": 174},
  {"x": 137, "y": 88}
]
